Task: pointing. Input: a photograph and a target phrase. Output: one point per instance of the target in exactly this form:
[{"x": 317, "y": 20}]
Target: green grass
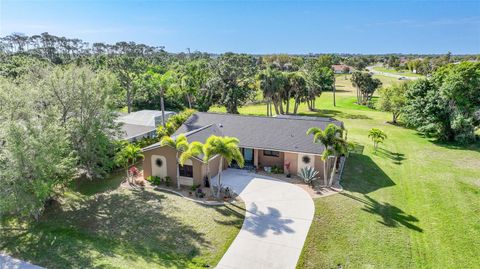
[
  {"x": 405, "y": 73},
  {"x": 110, "y": 227},
  {"x": 413, "y": 204}
]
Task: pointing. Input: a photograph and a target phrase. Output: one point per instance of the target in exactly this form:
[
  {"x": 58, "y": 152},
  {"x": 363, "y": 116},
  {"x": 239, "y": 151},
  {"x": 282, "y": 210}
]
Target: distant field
[{"x": 406, "y": 73}]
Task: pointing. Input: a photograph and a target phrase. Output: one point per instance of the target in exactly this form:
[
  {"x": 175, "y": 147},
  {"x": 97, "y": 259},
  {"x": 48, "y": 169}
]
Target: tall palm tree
[
  {"x": 180, "y": 143},
  {"x": 228, "y": 150},
  {"x": 128, "y": 156},
  {"x": 340, "y": 146},
  {"x": 327, "y": 139},
  {"x": 163, "y": 81}
]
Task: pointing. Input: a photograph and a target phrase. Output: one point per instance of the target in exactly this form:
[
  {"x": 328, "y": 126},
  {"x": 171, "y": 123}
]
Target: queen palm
[
  {"x": 227, "y": 148},
  {"x": 180, "y": 143},
  {"x": 340, "y": 146},
  {"x": 327, "y": 138},
  {"x": 196, "y": 149}
]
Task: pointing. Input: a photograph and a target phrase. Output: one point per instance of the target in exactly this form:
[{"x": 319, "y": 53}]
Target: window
[
  {"x": 186, "y": 170},
  {"x": 271, "y": 153}
]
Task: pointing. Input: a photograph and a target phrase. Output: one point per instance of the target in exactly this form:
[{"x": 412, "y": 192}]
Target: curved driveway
[{"x": 277, "y": 220}]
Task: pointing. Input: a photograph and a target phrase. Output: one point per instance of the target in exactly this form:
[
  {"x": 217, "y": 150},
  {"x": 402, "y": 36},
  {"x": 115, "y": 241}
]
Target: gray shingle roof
[
  {"x": 134, "y": 130},
  {"x": 283, "y": 133}
]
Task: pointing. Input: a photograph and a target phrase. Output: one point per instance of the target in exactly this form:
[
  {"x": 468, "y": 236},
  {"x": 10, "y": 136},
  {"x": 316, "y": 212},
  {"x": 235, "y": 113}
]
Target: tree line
[{"x": 445, "y": 106}]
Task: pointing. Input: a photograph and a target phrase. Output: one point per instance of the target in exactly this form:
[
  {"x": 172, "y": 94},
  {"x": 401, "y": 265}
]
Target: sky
[{"x": 258, "y": 27}]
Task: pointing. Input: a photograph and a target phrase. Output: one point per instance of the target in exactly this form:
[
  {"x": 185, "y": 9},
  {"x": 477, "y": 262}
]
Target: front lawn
[
  {"x": 413, "y": 204},
  {"x": 122, "y": 228}
]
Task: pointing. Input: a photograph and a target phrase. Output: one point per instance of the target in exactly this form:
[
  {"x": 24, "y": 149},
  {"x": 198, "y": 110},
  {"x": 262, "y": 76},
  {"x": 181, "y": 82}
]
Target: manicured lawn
[
  {"x": 406, "y": 73},
  {"x": 124, "y": 229},
  {"x": 413, "y": 204}
]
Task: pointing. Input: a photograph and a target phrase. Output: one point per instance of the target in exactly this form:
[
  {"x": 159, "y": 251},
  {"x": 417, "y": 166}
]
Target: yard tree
[
  {"x": 164, "y": 82},
  {"x": 128, "y": 69},
  {"x": 235, "y": 72},
  {"x": 392, "y": 99},
  {"x": 227, "y": 149},
  {"x": 327, "y": 138},
  {"x": 365, "y": 85},
  {"x": 273, "y": 84},
  {"x": 81, "y": 98},
  {"x": 297, "y": 87},
  {"x": 446, "y": 106},
  {"x": 318, "y": 79},
  {"x": 377, "y": 136},
  {"x": 36, "y": 161},
  {"x": 127, "y": 157},
  {"x": 180, "y": 144}
]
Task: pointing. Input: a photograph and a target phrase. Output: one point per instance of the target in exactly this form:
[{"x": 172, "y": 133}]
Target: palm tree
[
  {"x": 164, "y": 81},
  {"x": 340, "y": 146},
  {"x": 128, "y": 156},
  {"x": 180, "y": 143},
  {"x": 228, "y": 150},
  {"x": 196, "y": 149},
  {"x": 327, "y": 139},
  {"x": 377, "y": 136}
]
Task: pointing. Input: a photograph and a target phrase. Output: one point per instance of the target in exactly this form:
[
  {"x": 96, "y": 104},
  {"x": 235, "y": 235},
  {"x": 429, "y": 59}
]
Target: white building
[{"x": 141, "y": 124}]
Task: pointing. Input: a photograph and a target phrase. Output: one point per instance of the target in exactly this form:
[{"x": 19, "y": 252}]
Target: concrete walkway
[
  {"x": 276, "y": 223},
  {"x": 7, "y": 262}
]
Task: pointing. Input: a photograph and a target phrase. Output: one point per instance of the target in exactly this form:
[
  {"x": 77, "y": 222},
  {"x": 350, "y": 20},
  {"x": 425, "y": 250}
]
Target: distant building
[
  {"x": 342, "y": 69},
  {"x": 141, "y": 124}
]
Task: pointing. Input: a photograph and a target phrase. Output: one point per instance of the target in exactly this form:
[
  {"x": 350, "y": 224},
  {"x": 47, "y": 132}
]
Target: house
[
  {"x": 141, "y": 124},
  {"x": 264, "y": 141},
  {"x": 341, "y": 69}
]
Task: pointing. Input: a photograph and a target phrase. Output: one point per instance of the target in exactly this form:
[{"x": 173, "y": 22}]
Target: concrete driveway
[
  {"x": 7, "y": 262},
  {"x": 276, "y": 223}
]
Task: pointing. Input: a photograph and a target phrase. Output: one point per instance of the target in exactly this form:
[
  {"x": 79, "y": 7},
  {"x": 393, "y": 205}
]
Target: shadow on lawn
[
  {"x": 396, "y": 157},
  {"x": 392, "y": 216},
  {"x": 130, "y": 225},
  {"x": 330, "y": 113},
  {"x": 363, "y": 175}
]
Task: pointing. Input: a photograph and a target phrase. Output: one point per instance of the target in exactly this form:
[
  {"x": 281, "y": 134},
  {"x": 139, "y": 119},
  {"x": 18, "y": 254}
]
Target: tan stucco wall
[
  {"x": 269, "y": 160},
  {"x": 170, "y": 155},
  {"x": 291, "y": 158},
  {"x": 319, "y": 166}
]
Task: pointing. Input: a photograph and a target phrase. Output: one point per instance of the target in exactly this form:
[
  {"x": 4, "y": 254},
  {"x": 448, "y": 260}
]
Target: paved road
[
  {"x": 7, "y": 262},
  {"x": 370, "y": 69},
  {"x": 276, "y": 223}
]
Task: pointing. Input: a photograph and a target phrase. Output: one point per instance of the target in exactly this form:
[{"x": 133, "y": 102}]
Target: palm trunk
[
  {"x": 162, "y": 106},
  {"x": 219, "y": 178},
  {"x": 210, "y": 185},
  {"x": 332, "y": 175},
  {"x": 178, "y": 173},
  {"x": 325, "y": 171}
]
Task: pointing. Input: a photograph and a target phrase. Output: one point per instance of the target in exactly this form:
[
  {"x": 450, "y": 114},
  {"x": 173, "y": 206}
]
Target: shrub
[
  {"x": 154, "y": 180},
  {"x": 168, "y": 181},
  {"x": 308, "y": 174}
]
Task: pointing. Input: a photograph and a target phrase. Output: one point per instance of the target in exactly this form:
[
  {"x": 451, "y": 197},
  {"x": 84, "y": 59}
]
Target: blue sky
[{"x": 258, "y": 26}]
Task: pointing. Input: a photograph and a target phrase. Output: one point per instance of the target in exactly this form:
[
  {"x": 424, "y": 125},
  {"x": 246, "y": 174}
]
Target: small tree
[
  {"x": 392, "y": 99},
  {"x": 228, "y": 150},
  {"x": 327, "y": 138},
  {"x": 180, "y": 143},
  {"x": 127, "y": 157},
  {"x": 377, "y": 136}
]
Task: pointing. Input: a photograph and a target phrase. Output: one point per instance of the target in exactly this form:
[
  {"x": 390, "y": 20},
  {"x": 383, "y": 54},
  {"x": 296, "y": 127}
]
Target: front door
[{"x": 248, "y": 156}]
